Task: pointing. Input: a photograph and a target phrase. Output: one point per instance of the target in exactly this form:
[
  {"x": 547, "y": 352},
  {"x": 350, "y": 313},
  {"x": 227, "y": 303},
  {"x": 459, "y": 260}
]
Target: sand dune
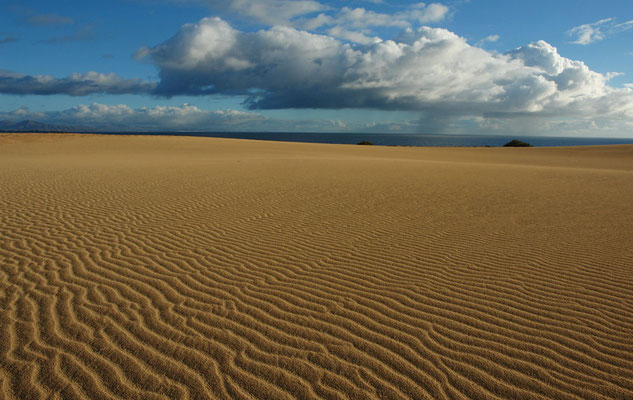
[{"x": 193, "y": 268}]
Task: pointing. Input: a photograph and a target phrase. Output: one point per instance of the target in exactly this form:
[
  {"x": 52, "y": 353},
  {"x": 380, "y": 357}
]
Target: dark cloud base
[{"x": 73, "y": 85}]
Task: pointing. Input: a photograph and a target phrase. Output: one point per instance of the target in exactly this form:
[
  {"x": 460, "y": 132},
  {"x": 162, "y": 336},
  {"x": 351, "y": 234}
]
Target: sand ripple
[{"x": 184, "y": 268}]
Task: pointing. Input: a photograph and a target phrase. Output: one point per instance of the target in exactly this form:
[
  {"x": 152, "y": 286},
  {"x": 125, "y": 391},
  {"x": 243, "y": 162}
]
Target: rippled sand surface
[{"x": 195, "y": 268}]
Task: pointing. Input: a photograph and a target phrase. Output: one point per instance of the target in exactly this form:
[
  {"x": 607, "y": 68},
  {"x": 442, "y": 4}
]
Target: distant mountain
[{"x": 35, "y": 126}]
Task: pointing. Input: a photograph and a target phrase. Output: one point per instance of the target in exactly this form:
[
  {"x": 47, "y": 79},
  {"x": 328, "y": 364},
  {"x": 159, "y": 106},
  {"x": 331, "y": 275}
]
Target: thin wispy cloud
[
  {"x": 424, "y": 14},
  {"x": 599, "y": 30},
  {"x": 419, "y": 13},
  {"x": 625, "y": 26},
  {"x": 49, "y": 19},
  {"x": 488, "y": 39},
  {"x": 275, "y": 11},
  {"x": 271, "y": 12},
  {"x": 4, "y": 39},
  {"x": 82, "y": 34},
  {"x": 352, "y": 36},
  {"x": 356, "y": 24},
  {"x": 32, "y": 17}
]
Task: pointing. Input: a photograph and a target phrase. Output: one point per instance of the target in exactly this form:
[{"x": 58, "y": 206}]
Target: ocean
[{"x": 393, "y": 139}]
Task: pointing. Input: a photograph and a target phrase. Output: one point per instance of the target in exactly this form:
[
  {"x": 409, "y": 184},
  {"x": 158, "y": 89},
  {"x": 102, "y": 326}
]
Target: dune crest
[{"x": 190, "y": 268}]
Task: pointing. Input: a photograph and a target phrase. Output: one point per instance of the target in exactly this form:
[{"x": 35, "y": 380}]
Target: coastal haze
[{"x": 180, "y": 267}]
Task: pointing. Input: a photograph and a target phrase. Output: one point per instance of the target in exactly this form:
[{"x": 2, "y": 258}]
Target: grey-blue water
[{"x": 391, "y": 139}]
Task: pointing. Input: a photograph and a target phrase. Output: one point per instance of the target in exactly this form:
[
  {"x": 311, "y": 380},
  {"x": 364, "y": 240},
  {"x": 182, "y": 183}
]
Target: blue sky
[{"x": 481, "y": 67}]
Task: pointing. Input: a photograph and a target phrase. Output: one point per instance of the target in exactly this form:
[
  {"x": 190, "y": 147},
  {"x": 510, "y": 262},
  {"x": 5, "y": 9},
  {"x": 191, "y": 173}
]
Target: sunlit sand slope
[{"x": 193, "y": 268}]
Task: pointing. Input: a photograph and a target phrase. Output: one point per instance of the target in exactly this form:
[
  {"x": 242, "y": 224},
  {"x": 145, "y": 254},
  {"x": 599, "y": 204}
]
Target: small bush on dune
[
  {"x": 365, "y": 143},
  {"x": 517, "y": 143}
]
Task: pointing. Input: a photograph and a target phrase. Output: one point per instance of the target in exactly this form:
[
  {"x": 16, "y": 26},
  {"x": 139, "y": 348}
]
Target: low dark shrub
[
  {"x": 517, "y": 143},
  {"x": 365, "y": 143}
]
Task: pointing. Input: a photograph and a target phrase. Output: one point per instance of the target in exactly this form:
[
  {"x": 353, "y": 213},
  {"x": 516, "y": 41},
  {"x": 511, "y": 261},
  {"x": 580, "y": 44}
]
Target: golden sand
[{"x": 194, "y": 268}]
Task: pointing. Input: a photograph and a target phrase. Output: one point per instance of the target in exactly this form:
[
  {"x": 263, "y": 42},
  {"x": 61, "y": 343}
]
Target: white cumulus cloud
[{"x": 428, "y": 69}]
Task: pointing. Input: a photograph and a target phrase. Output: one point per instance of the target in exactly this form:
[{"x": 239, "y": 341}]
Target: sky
[{"x": 554, "y": 68}]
